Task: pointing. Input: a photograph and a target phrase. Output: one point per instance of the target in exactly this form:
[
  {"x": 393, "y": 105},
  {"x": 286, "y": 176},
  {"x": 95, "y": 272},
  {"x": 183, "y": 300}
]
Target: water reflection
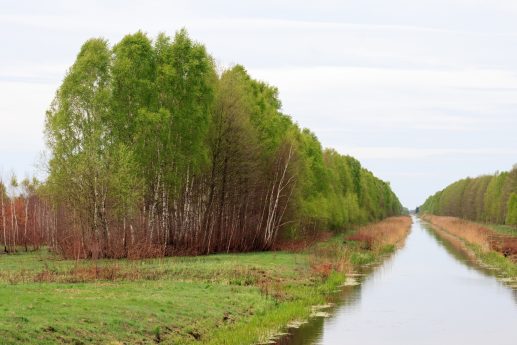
[
  {"x": 427, "y": 293},
  {"x": 458, "y": 253},
  {"x": 348, "y": 297}
]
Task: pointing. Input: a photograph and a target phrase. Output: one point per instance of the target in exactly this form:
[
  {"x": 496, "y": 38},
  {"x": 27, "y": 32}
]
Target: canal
[{"x": 426, "y": 293}]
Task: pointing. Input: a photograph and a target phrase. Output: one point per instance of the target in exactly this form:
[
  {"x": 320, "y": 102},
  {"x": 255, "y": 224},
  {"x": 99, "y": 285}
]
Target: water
[{"x": 427, "y": 293}]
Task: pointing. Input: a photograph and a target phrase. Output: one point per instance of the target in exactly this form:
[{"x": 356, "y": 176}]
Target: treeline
[
  {"x": 153, "y": 152},
  {"x": 24, "y": 216},
  {"x": 488, "y": 199}
]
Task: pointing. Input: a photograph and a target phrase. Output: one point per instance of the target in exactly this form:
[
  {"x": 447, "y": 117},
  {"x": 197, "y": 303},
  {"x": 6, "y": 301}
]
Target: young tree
[
  {"x": 26, "y": 194},
  {"x": 14, "y": 217},
  {"x": 3, "y": 196},
  {"x": 80, "y": 143},
  {"x": 511, "y": 216}
]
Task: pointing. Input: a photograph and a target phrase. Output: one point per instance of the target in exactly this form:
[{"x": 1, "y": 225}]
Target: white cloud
[
  {"x": 33, "y": 72},
  {"x": 22, "y": 113},
  {"x": 353, "y": 77},
  {"x": 408, "y": 153}
]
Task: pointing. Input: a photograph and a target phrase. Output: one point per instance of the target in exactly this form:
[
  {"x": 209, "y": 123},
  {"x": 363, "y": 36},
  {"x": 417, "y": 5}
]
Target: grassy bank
[
  {"x": 217, "y": 299},
  {"x": 492, "y": 245},
  {"x": 503, "y": 229}
]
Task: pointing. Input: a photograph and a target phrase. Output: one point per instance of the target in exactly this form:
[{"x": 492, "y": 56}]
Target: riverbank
[
  {"x": 494, "y": 246},
  {"x": 216, "y": 299}
]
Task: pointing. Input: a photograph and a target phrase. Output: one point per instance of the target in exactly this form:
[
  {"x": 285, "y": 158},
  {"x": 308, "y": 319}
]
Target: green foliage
[
  {"x": 488, "y": 199},
  {"x": 3, "y": 190},
  {"x": 340, "y": 192},
  {"x": 505, "y": 229},
  {"x": 362, "y": 257},
  {"x": 84, "y": 169},
  {"x": 511, "y": 215},
  {"x": 494, "y": 209},
  {"x": 147, "y": 133}
]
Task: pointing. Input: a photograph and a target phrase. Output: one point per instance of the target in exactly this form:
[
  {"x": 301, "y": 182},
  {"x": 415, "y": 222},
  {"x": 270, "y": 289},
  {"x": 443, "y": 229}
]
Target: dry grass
[
  {"x": 303, "y": 243},
  {"x": 390, "y": 231},
  {"x": 470, "y": 232},
  {"x": 324, "y": 260},
  {"x": 371, "y": 239},
  {"x": 456, "y": 242},
  {"x": 82, "y": 274},
  {"x": 487, "y": 239},
  {"x": 368, "y": 242}
]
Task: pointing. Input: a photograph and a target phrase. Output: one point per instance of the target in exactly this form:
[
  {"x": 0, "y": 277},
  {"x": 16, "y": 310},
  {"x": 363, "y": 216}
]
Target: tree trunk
[
  {"x": 3, "y": 221},
  {"x": 26, "y": 220}
]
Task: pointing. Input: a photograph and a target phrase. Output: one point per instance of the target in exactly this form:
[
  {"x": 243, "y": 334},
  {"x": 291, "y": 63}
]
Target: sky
[{"x": 422, "y": 92}]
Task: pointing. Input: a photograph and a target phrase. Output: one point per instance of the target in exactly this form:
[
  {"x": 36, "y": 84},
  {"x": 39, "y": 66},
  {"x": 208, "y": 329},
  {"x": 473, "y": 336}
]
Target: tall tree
[
  {"x": 154, "y": 153},
  {"x": 511, "y": 217},
  {"x": 14, "y": 217},
  {"x": 485, "y": 198},
  {"x": 81, "y": 144},
  {"x": 3, "y": 196}
]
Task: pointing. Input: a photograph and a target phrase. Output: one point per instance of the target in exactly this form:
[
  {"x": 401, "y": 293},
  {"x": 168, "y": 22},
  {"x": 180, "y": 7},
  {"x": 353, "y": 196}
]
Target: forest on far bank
[
  {"x": 487, "y": 199},
  {"x": 154, "y": 152}
]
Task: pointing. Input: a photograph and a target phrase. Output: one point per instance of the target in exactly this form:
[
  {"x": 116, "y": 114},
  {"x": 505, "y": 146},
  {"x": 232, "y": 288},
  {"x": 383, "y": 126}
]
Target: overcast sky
[{"x": 421, "y": 92}]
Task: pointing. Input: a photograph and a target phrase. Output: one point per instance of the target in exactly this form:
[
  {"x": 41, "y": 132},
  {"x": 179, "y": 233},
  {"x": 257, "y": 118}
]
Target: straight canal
[{"x": 426, "y": 293}]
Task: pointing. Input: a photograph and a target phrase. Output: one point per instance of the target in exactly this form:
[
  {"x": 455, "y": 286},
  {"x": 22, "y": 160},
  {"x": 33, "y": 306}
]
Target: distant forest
[
  {"x": 154, "y": 152},
  {"x": 488, "y": 199}
]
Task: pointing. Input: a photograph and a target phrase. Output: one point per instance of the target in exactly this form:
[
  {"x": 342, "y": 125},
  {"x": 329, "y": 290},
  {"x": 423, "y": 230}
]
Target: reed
[
  {"x": 483, "y": 236},
  {"x": 388, "y": 232},
  {"x": 470, "y": 232}
]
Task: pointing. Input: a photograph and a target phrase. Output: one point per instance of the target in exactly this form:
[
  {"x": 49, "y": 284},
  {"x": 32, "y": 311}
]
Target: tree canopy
[
  {"x": 153, "y": 151},
  {"x": 489, "y": 199}
]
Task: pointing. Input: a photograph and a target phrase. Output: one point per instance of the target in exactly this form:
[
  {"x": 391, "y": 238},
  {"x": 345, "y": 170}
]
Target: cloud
[
  {"x": 353, "y": 77},
  {"x": 32, "y": 72},
  {"x": 22, "y": 114},
  {"x": 408, "y": 153},
  {"x": 375, "y": 100}
]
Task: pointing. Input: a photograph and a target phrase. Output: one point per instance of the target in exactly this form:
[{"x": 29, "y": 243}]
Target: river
[{"x": 426, "y": 293}]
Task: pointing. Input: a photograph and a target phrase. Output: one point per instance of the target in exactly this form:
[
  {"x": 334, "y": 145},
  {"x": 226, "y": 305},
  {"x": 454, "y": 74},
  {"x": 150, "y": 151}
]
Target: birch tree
[{"x": 3, "y": 196}]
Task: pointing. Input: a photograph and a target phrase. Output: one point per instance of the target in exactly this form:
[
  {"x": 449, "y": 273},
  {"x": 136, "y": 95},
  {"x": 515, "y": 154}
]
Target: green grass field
[{"x": 219, "y": 299}]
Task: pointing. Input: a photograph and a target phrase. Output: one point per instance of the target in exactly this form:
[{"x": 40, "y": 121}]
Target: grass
[
  {"x": 494, "y": 259},
  {"x": 503, "y": 229},
  {"x": 181, "y": 299},
  {"x": 103, "y": 313},
  {"x": 377, "y": 239},
  {"x": 362, "y": 258},
  {"x": 469, "y": 231},
  {"x": 216, "y": 299}
]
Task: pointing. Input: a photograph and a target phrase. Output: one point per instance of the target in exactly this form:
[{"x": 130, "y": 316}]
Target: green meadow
[{"x": 220, "y": 299}]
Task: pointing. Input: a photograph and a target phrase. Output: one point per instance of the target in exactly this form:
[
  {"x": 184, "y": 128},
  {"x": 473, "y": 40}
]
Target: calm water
[{"x": 427, "y": 293}]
